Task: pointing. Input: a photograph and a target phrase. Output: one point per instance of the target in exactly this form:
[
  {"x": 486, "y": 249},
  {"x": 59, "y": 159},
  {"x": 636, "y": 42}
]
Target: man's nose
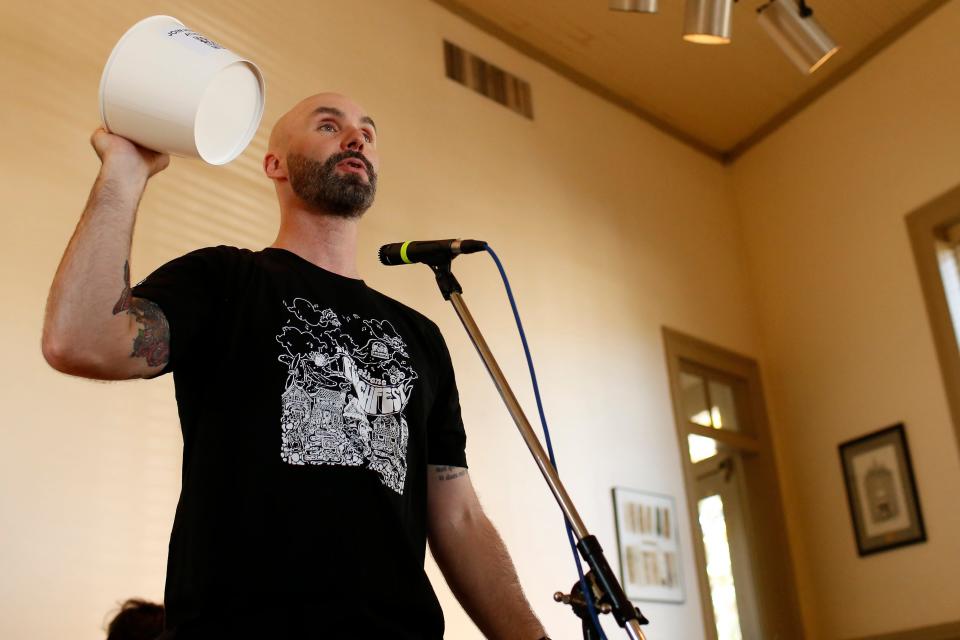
[{"x": 353, "y": 140}]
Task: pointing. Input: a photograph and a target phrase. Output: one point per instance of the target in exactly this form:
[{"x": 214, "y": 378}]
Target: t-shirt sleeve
[
  {"x": 189, "y": 290},
  {"x": 446, "y": 438}
]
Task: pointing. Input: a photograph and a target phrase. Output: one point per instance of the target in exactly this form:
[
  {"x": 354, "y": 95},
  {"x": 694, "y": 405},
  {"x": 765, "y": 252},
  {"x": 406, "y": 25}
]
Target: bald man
[{"x": 323, "y": 443}]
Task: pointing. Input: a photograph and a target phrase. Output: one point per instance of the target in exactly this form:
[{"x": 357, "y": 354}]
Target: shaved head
[
  {"x": 322, "y": 152},
  {"x": 293, "y": 121}
]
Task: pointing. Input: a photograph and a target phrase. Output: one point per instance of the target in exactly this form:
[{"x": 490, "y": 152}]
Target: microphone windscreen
[{"x": 389, "y": 254}]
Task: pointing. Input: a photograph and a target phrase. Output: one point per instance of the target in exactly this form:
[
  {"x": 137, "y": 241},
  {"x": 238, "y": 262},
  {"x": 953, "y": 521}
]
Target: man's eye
[
  {"x": 367, "y": 137},
  {"x": 327, "y": 126}
]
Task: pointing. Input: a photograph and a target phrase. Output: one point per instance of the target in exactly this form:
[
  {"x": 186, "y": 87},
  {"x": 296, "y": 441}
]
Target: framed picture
[
  {"x": 647, "y": 542},
  {"x": 880, "y": 487}
]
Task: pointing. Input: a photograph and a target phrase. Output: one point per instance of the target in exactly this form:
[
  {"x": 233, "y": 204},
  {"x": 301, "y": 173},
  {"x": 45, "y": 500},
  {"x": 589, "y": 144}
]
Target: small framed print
[
  {"x": 647, "y": 543},
  {"x": 884, "y": 505}
]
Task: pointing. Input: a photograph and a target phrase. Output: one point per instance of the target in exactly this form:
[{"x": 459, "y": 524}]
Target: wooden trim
[
  {"x": 923, "y": 225},
  {"x": 710, "y": 356},
  {"x": 671, "y": 342},
  {"x": 732, "y": 438},
  {"x": 946, "y": 631}
]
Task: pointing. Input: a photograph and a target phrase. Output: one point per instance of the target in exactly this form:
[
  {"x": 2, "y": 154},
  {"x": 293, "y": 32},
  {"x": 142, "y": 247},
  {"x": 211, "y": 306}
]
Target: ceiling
[{"x": 718, "y": 99}]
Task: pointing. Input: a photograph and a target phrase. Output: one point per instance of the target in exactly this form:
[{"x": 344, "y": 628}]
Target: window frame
[{"x": 927, "y": 226}]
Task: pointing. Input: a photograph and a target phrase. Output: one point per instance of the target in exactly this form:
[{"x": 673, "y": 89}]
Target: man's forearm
[
  {"x": 89, "y": 283},
  {"x": 478, "y": 569}
]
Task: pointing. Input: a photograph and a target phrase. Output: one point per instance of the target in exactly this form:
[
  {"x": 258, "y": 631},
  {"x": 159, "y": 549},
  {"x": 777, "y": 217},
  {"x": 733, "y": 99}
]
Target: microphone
[{"x": 431, "y": 252}]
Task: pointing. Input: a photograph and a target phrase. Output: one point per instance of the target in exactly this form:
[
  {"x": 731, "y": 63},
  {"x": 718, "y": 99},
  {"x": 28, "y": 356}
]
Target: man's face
[{"x": 332, "y": 162}]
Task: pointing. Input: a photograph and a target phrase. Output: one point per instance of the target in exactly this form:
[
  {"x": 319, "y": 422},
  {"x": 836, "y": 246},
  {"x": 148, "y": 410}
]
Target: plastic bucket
[{"x": 171, "y": 89}]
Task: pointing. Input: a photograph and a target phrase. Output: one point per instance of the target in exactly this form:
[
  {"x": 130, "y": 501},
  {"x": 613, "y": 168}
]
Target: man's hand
[
  {"x": 473, "y": 560},
  {"x": 124, "y": 157}
]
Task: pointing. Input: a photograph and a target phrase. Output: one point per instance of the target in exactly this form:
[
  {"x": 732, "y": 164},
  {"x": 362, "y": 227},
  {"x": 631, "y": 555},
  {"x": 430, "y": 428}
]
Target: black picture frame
[{"x": 881, "y": 491}]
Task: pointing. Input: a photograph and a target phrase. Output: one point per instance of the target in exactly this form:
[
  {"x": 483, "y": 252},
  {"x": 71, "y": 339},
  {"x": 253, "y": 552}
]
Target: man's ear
[{"x": 273, "y": 166}]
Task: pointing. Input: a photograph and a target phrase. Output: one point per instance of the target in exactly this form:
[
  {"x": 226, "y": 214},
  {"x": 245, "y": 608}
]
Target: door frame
[{"x": 774, "y": 579}]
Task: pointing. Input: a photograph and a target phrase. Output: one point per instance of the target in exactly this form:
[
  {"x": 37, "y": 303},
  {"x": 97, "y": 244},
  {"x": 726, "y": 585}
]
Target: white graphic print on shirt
[{"x": 348, "y": 381}]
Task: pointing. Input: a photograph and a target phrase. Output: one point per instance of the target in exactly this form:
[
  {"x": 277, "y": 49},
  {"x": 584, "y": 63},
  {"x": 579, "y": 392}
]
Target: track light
[
  {"x": 639, "y": 6},
  {"x": 794, "y": 29},
  {"x": 708, "y": 21}
]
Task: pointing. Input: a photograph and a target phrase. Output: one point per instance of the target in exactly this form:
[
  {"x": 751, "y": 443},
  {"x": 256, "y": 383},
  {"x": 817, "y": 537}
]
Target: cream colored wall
[
  {"x": 847, "y": 343},
  {"x": 608, "y": 228}
]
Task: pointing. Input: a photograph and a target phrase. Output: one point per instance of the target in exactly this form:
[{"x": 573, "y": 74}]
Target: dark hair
[{"x": 136, "y": 620}]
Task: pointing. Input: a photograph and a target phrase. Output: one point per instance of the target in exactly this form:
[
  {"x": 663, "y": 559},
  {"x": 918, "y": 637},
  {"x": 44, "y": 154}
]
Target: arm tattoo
[
  {"x": 124, "y": 302},
  {"x": 153, "y": 337},
  {"x": 449, "y": 473}
]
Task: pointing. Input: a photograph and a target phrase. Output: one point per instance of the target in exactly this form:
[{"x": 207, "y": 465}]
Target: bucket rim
[
  {"x": 113, "y": 55},
  {"x": 255, "y": 122}
]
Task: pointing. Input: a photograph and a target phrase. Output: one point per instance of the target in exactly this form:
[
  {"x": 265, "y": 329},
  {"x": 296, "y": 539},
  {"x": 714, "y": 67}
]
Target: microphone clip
[{"x": 445, "y": 279}]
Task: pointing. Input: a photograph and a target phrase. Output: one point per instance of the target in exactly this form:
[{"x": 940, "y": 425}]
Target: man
[{"x": 322, "y": 435}]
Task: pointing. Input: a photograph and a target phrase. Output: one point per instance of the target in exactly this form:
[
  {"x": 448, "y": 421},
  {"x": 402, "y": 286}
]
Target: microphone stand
[{"x": 608, "y": 591}]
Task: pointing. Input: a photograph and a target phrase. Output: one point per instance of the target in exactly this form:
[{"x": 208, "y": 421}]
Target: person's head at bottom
[{"x": 136, "y": 620}]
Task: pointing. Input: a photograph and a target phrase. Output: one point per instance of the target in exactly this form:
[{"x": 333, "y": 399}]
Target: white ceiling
[{"x": 719, "y": 99}]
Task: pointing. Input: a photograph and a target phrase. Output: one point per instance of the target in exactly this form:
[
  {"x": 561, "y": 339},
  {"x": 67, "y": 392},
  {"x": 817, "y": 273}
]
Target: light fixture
[
  {"x": 708, "y": 21},
  {"x": 794, "y": 29},
  {"x": 640, "y": 6}
]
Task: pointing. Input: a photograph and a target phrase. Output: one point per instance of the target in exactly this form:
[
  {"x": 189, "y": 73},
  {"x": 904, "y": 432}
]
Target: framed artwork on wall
[
  {"x": 647, "y": 544},
  {"x": 884, "y": 505}
]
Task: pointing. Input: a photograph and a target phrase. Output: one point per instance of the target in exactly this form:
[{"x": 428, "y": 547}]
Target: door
[{"x": 744, "y": 570}]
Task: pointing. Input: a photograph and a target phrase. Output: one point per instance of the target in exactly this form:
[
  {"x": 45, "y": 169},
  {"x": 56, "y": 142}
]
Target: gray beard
[{"x": 319, "y": 185}]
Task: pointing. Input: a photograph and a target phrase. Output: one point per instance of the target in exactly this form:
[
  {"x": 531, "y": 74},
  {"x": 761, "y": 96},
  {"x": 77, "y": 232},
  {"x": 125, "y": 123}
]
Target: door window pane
[
  {"x": 719, "y": 568},
  {"x": 701, "y": 447},
  {"x": 723, "y": 413},
  {"x": 949, "y": 256},
  {"x": 716, "y": 409},
  {"x": 694, "y": 399}
]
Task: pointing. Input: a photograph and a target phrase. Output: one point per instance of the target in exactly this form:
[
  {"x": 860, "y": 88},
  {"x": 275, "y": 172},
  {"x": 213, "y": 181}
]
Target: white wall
[
  {"x": 847, "y": 342},
  {"x": 609, "y": 229}
]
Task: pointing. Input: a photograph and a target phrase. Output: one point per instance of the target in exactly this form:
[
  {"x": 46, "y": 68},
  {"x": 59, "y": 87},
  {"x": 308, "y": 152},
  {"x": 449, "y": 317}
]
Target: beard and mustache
[{"x": 318, "y": 184}]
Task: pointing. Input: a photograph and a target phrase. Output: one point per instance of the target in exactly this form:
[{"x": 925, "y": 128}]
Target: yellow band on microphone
[{"x": 403, "y": 252}]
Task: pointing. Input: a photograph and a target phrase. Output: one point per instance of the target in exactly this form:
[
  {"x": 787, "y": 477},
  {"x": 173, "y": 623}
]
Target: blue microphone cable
[{"x": 587, "y": 593}]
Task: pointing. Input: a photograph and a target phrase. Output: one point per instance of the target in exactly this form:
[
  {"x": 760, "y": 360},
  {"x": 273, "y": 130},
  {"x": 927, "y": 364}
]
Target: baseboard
[{"x": 946, "y": 631}]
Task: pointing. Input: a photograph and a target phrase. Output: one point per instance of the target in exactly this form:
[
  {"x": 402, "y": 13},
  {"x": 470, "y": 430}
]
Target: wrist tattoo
[
  {"x": 153, "y": 335},
  {"x": 449, "y": 473}
]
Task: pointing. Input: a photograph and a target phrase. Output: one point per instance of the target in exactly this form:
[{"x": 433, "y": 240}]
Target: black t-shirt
[{"x": 310, "y": 407}]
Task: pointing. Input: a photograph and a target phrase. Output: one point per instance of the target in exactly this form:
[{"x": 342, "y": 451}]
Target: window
[
  {"x": 948, "y": 257},
  {"x": 935, "y": 236}
]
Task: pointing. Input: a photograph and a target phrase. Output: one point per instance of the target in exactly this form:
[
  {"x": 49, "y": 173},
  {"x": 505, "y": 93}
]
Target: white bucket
[{"x": 171, "y": 89}]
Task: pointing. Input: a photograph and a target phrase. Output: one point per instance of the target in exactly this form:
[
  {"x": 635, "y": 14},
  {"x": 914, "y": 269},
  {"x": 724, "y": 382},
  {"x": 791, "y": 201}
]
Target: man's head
[{"x": 323, "y": 153}]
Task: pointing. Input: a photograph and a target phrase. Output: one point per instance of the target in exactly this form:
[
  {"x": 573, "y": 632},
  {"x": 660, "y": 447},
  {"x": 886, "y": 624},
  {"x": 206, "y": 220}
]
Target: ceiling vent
[{"x": 487, "y": 79}]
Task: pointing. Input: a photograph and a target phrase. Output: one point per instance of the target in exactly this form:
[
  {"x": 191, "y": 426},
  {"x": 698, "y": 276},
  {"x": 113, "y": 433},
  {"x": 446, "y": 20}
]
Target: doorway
[{"x": 739, "y": 535}]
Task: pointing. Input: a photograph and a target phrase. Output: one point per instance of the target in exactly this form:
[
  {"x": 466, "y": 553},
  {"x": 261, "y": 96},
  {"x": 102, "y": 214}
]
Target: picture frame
[
  {"x": 881, "y": 491},
  {"x": 648, "y": 545}
]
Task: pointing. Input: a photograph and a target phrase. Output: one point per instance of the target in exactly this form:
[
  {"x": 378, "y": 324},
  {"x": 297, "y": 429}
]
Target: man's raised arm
[{"x": 93, "y": 327}]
